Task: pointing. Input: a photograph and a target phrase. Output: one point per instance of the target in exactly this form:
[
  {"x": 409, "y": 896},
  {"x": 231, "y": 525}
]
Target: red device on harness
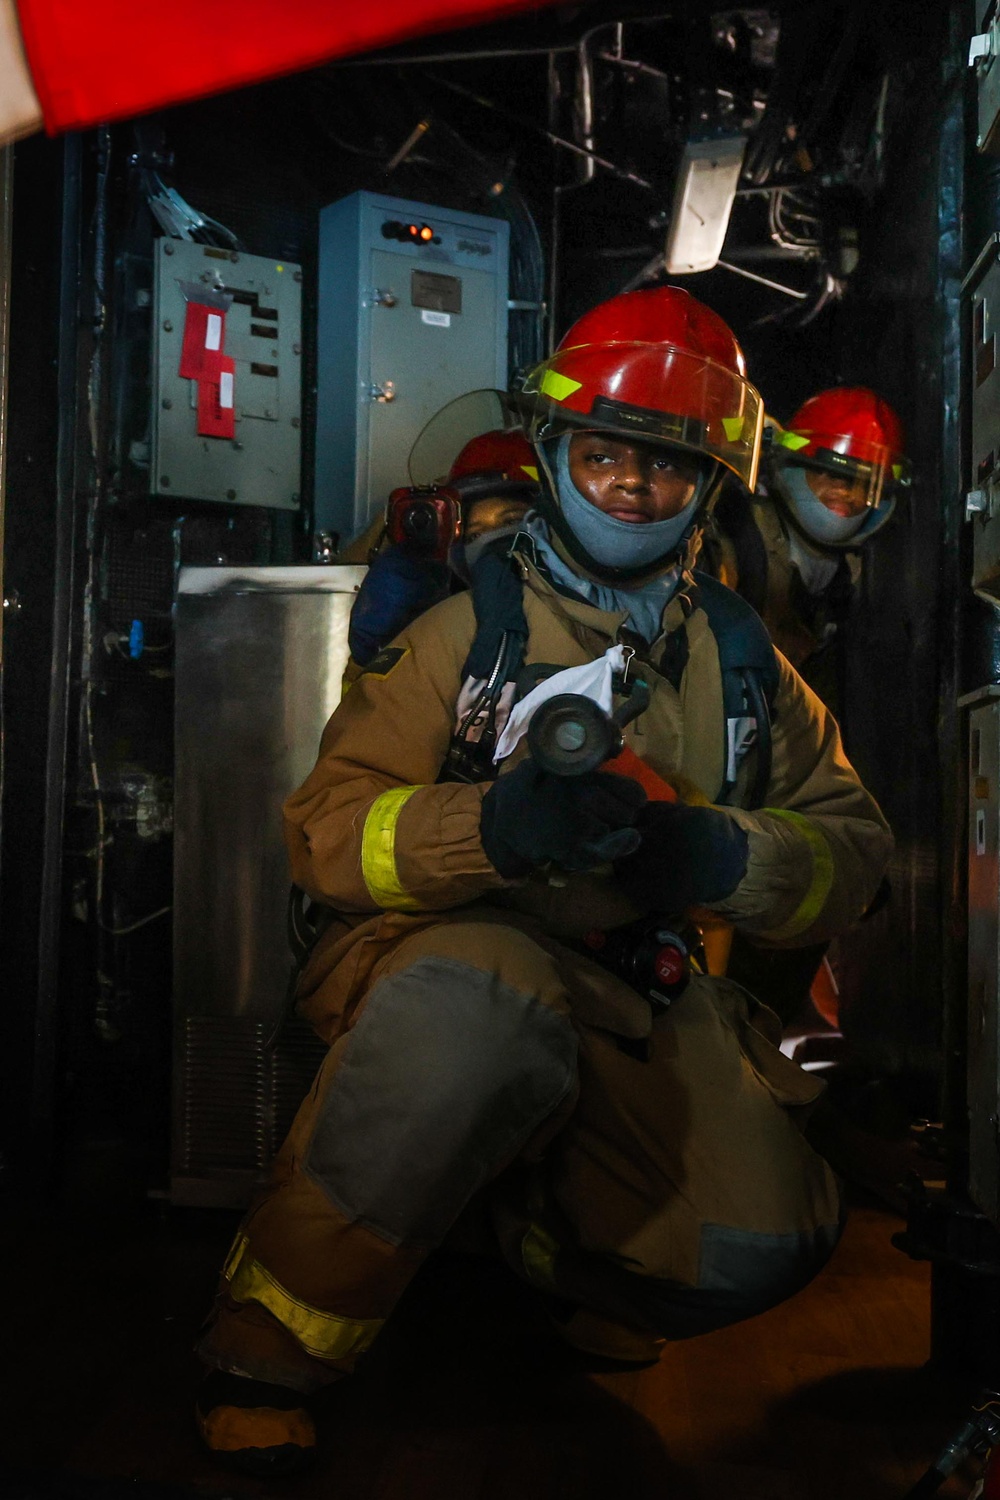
[
  {"x": 424, "y": 520},
  {"x": 647, "y": 954}
]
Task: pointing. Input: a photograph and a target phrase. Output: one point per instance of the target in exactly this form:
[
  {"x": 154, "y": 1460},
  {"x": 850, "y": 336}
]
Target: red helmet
[
  {"x": 847, "y": 422},
  {"x": 851, "y": 432},
  {"x": 495, "y": 463},
  {"x": 657, "y": 365}
]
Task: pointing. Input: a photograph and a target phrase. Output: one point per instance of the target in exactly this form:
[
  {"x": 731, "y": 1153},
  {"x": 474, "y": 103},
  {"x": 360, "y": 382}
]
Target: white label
[
  {"x": 741, "y": 735},
  {"x": 437, "y": 319},
  {"x": 226, "y": 388},
  {"x": 213, "y": 331}
]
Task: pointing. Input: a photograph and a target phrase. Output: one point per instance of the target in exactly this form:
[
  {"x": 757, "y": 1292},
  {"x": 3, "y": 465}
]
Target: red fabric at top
[{"x": 95, "y": 60}]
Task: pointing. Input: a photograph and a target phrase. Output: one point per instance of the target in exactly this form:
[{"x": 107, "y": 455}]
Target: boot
[{"x": 260, "y": 1428}]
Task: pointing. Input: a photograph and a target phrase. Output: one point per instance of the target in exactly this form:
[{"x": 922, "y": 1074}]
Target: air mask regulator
[{"x": 571, "y": 735}]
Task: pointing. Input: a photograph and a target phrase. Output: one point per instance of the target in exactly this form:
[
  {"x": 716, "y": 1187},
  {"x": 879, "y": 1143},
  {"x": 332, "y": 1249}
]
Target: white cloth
[{"x": 592, "y": 680}]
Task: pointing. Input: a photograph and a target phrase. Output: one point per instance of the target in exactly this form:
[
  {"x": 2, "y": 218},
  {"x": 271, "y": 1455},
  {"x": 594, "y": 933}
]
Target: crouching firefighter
[{"x": 625, "y": 1121}]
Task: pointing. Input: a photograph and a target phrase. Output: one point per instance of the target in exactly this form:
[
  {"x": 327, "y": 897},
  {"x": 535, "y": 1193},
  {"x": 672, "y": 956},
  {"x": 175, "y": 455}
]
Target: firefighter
[
  {"x": 643, "y": 1165},
  {"x": 831, "y": 482},
  {"x": 494, "y": 479}
]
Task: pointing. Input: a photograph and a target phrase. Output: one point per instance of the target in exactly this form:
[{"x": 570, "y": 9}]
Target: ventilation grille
[
  {"x": 294, "y": 1064},
  {"x": 237, "y": 1100}
]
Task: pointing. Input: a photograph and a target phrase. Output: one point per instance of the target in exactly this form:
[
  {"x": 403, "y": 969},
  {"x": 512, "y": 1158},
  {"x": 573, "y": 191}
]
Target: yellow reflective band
[
  {"x": 531, "y": 472},
  {"x": 558, "y": 386},
  {"x": 320, "y": 1333},
  {"x": 538, "y": 1256},
  {"x": 814, "y": 900},
  {"x": 793, "y": 440},
  {"x": 897, "y": 471},
  {"x": 378, "y": 851},
  {"x": 733, "y": 427}
]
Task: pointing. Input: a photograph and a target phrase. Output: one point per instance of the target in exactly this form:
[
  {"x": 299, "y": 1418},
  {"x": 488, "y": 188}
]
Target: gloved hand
[
  {"x": 530, "y": 817},
  {"x": 397, "y": 588},
  {"x": 687, "y": 856}
]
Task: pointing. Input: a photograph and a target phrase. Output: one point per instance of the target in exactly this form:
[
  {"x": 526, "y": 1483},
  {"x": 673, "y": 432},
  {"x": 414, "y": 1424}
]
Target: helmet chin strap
[{"x": 664, "y": 543}]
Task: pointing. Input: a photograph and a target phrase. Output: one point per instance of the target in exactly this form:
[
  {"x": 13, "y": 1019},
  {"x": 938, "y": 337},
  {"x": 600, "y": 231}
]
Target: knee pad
[
  {"x": 446, "y": 1074},
  {"x": 741, "y": 1273}
]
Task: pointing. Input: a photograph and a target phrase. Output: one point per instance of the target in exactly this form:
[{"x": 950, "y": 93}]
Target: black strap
[
  {"x": 306, "y": 921},
  {"x": 749, "y": 672},
  {"x": 734, "y": 518},
  {"x": 674, "y": 657},
  {"x": 495, "y": 658},
  {"x": 498, "y": 601},
  {"x": 739, "y": 631}
]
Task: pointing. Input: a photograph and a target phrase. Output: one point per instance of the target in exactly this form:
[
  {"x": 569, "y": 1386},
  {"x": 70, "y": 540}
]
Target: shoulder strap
[
  {"x": 736, "y": 520},
  {"x": 495, "y": 659},
  {"x": 498, "y": 602},
  {"x": 739, "y": 631},
  {"x": 750, "y": 678}
]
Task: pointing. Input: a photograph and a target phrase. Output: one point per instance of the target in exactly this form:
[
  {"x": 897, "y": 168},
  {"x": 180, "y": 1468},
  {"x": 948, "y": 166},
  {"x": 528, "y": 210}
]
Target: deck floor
[{"x": 468, "y": 1396}]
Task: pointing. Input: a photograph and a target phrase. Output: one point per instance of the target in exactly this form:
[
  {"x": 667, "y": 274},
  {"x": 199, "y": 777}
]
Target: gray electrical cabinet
[
  {"x": 412, "y": 313},
  {"x": 230, "y": 431},
  {"x": 984, "y": 56}
]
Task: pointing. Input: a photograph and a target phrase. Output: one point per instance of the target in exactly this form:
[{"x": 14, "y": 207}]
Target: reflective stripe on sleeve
[
  {"x": 538, "y": 1256},
  {"x": 323, "y": 1334},
  {"x": 378, "y": 851},
  {"x": 814, "y": 900}
]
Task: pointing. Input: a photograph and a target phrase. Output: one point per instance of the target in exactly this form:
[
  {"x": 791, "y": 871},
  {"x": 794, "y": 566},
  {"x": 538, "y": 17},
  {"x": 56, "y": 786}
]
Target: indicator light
[{"x": 414, "y": 234}]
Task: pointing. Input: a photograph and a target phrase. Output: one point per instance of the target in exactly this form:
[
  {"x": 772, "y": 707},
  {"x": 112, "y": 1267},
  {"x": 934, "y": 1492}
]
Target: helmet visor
[
  {"x": 449, "y": 430},
  {"x": 842, "y": 471},
  {"x": 654, "y": 393}
]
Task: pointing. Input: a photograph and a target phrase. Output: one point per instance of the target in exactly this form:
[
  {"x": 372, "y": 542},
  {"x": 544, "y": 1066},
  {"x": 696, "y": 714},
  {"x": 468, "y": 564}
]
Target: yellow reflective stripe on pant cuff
[
  {"x": 538, "y": 1256},
  {"x": 378, "y": 851},
  {"x": 814, "y": 900},
  {"x": 323, "y": 1334}
]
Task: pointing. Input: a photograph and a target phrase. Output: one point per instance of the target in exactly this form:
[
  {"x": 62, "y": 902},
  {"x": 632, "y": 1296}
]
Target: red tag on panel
[
  {"x": 217, "y": 399},
  {"x": 204, "y": 340}
]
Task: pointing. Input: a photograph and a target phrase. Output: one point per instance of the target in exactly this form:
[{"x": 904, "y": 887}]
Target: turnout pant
[{"x": 652, "y": 1174}]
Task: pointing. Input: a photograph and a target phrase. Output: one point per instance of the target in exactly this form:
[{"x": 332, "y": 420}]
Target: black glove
[
  {"x": 530, "y": 817},
  {"x": 688, "y": 856}
]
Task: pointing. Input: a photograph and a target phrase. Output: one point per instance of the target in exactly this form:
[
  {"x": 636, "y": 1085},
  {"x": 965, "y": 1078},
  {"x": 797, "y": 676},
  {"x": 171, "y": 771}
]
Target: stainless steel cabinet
[{"x": 260, "y": 656}]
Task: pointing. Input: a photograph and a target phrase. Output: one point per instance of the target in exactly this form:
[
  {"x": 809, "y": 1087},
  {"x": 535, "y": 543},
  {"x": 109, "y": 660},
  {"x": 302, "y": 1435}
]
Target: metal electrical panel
[
  {"x": 412, "y": 313},
  {"x": 260, "y": 657},
  {"x": 258, "y": 306},
  {"x": 984, "y": 952},
  {"x": 984, "y": 56},
  {"x": 982, "y": 500}
]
